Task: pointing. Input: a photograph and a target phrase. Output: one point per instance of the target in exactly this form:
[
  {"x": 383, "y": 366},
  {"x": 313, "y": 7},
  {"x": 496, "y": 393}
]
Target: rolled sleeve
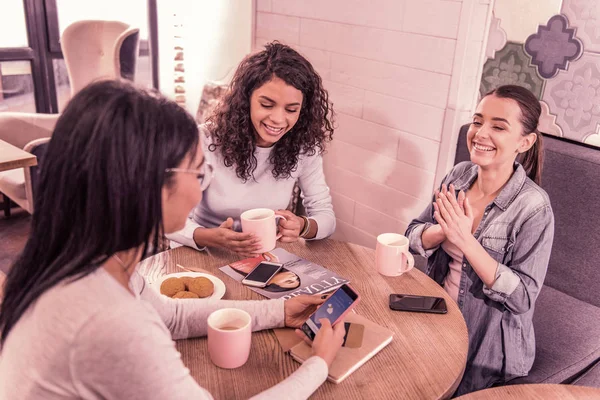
[
  {"x": 415, "y": 242},
  {"x": 504, "y": 285},
  {"x": 518, "y": 284}
]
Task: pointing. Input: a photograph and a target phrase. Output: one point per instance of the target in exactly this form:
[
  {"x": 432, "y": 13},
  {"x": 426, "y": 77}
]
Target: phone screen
[
  {"x": 263, "y": 272},
  {"x": 417, "y": 303},
  {"x": 332, "y": 309}
]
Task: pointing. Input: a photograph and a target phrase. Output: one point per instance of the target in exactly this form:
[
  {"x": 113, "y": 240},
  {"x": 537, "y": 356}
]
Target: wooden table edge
[
  {"x": 22, "y": 163},
  {"x": 444, "y": 393}
]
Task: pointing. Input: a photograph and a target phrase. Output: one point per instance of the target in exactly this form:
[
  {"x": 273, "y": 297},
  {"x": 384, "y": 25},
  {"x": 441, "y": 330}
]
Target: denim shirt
[{"x": 516, "y": 230}]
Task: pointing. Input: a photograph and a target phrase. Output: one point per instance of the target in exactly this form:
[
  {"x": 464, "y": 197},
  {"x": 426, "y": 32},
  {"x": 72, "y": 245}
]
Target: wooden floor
[{"x": 14, "y": 232}]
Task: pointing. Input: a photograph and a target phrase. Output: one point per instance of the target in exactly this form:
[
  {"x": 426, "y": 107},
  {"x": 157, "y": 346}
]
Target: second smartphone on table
[
  {"x": 262, "y": 274},
  {"x": 427, "y": 304}
]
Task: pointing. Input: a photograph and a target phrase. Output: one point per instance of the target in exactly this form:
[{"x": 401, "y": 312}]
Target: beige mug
[
  {"x": 392, "y": 256},
  {"x": 229, "y": 337},
  {"x": 263, "y": 223}
]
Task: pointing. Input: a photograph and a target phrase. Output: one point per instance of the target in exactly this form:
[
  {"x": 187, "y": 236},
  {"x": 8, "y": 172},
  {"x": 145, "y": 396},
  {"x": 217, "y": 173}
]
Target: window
[
  {"x": 33, "y": 75},
  {"x": 13, "y": 30},
  {"x": 16, "y": 86},
  {"x": 16, "y": 83}
]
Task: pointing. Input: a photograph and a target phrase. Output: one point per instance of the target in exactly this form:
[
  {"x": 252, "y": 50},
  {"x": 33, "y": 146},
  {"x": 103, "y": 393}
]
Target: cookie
[
  {"x": 202, "y": 286},
  {"x": 185, "y": 295},
  {"x": 187, "y": 280},
  {"x": 171, "y": 286}
]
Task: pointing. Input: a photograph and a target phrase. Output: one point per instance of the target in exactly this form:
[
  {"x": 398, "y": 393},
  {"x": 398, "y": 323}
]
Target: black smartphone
[
  {"x": 262, "y": 274},
  {"x": 406, "y": 302}
]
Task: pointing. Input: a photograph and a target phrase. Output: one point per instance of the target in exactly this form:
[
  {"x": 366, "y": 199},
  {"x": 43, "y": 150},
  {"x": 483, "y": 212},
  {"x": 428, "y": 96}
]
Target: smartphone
[
  {"x": 334, "y": 308},
  {"x": 262, "y": 274},
  {"x": 406, "y": 302}
]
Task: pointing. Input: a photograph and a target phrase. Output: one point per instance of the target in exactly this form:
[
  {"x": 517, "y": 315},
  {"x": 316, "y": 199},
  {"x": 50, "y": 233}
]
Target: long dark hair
[
  {"x": 100, "y": 188},
  {"x": 232, "y": 130},
  {"x": 533, "y": 159}
]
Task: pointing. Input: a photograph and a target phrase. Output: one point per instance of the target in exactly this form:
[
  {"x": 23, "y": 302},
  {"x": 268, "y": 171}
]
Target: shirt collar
[{"x": 508, "y": 193}]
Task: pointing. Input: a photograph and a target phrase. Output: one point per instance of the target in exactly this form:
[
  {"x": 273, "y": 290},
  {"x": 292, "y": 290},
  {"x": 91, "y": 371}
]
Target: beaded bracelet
[{"x": 306, "y": 227}]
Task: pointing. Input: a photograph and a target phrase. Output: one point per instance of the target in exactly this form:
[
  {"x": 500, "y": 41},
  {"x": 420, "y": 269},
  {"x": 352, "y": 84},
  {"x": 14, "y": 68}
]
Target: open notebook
[{"x": 348, "y": 360}]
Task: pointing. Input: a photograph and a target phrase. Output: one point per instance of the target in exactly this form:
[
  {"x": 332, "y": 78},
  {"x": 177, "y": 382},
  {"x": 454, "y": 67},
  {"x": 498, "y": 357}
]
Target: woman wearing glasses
[
  {"x": 77, "y": 320},
  {"x": 267, "y": 134}
]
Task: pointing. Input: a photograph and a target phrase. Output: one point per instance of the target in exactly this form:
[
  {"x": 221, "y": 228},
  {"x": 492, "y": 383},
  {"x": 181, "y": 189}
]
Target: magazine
[{"x": 298, "y": 276}]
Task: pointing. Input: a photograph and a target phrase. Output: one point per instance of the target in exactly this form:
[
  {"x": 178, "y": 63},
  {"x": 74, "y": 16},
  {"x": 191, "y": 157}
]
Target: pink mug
[
  {"x": 392, "y": 257},
  {"x": 229, "y": 337},
  {"x": 263, "y": 223}
]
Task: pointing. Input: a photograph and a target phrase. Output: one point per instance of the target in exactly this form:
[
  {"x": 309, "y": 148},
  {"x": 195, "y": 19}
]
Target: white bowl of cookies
[{"x": 190, "y": 285}]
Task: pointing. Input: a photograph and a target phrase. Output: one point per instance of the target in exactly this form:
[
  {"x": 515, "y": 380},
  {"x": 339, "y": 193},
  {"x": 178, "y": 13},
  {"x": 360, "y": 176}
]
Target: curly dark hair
[{"x": 230, "y": 125}]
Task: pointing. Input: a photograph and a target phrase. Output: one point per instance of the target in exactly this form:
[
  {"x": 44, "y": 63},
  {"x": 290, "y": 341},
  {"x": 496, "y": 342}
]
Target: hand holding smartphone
[
  {"x": 261, "y": 275},
  {"x": 334, "y": 309},
  {"x": 426, "y": 304}
]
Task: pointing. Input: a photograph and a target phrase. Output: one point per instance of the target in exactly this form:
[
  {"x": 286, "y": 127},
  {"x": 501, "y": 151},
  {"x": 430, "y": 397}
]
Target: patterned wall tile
[
  {"x": 594, "y": 139},
  {"x": 553, "y": 46},
  {"x": 585, "y": 15},
  {"x": 511, "y": 66},
  {"x": 574, "y": 96},
  {"x": 496, "y": 38},
  {"x": 547, "y": 122}
]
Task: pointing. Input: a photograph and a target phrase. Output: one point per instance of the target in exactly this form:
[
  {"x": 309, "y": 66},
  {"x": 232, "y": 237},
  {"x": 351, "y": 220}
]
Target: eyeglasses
[{"x": 204, "y": 174}]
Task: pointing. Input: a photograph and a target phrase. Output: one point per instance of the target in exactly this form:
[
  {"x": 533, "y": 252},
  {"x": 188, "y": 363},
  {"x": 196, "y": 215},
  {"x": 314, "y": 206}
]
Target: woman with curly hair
[{"x": 268, "y": 132}]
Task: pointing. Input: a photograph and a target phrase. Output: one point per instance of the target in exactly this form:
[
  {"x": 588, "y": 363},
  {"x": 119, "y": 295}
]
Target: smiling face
[
  {"x": 496, "y": 136},
  {"x": 274, "y": 110}
]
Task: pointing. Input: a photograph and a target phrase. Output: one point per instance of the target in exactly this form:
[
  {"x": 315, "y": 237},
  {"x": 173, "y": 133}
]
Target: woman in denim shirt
[{"x": 488, "y": 236}]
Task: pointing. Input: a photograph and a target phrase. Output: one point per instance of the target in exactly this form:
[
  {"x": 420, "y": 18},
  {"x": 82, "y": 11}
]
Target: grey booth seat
[{"x": 567, "y": 313}]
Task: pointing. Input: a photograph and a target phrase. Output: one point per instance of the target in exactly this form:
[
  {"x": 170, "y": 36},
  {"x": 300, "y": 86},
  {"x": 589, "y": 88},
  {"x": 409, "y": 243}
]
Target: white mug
[
  {"x": 263, "y": 223},
  {"x": 392, "y": 257}
]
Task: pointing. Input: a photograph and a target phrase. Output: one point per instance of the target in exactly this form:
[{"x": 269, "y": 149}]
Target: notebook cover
[{"x": 348, "y": 360}]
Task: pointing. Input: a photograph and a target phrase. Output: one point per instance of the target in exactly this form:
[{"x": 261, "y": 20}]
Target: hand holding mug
[
  {"x": 262, "y": 222},
  {"x": 245, "y": 244},
  {"x": 290, "y": 227}
]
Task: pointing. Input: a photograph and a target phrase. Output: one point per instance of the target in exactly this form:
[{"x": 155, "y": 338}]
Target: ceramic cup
[
  {"x": 392, "y": 257},
  {"x": 229, "y": 337},
  {"x": 263, "y": 223}
]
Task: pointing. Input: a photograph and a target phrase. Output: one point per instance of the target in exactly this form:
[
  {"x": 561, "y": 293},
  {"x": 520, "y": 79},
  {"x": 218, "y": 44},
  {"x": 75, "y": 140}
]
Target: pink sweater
[{"x": 91, "y": 339}]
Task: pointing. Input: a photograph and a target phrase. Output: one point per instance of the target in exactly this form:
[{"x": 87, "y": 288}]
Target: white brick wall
[{"x": 392, "y": 69}]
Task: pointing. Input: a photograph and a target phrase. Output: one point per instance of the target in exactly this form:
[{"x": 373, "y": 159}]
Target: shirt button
[{"x": 462, "y": 291}]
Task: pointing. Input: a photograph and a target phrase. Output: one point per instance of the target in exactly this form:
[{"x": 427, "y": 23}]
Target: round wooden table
[
  {"x": 535, "y": 392},
  {"x": 425, "y": 360}
]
